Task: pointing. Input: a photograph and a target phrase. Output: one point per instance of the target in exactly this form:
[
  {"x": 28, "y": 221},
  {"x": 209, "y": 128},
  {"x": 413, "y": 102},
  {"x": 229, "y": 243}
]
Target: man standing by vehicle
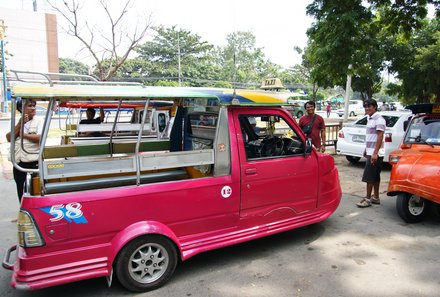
[
  {"x": 374, "y": 153},
  {"x": 26, "y": 154},
  {"x": 313, "y": 126}
]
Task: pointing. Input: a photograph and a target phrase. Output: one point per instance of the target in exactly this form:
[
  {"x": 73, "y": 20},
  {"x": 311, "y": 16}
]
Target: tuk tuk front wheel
[
  {"x": 146, "y": 263},
  {"x": 435, "y": 207},
  {"x": 411, "y": 208}
]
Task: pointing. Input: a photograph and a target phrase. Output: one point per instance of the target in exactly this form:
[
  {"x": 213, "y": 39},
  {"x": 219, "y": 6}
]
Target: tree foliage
[
  {"x": 242, "y": 62},
  {"x": 367, "y": 36},
  {"x": 171, "y": 44},
  {"x": 71, "y": 66},
  {"x": 416, "y": 62}
]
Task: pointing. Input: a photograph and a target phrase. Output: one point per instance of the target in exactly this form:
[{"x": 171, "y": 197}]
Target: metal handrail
[
  {"x": 114, "y": 126},
  {"x": 84, "y": 79},
  {"x": 138, "y": 143}
]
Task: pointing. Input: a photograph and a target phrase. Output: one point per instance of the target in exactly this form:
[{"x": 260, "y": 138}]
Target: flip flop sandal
[{"x": 364, "y": 203}]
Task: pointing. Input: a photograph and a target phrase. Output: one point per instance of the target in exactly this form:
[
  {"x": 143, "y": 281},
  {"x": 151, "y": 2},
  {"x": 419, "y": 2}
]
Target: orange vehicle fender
[{"x": 138, "y": 229}]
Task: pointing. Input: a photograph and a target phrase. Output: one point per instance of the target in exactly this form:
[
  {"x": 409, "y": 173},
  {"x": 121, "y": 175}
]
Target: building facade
[{"x": 31, "y": 40}]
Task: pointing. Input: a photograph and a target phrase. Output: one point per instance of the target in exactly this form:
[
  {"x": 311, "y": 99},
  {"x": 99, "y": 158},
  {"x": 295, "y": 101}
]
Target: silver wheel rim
[
  {"x": 148, "y": 263},
  {"x": 415, "y": 205}
]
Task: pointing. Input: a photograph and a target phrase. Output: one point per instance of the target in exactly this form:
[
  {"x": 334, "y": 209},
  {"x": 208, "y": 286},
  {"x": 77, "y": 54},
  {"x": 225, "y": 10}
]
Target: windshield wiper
[{"x": 419, "y": 139}]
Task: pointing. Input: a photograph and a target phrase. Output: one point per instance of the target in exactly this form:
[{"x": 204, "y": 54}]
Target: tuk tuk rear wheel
[
  {"x": 411, "y": 208},
  {"x": 146, "y": 263}
]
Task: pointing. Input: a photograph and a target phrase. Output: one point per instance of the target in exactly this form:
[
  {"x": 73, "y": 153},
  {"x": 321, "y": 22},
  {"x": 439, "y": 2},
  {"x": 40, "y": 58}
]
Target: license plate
[{"x": 358, "y": 138}]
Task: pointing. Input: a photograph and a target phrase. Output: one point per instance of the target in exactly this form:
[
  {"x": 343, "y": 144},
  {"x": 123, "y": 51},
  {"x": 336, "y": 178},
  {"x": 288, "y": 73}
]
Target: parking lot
[{"x": 356, "y": 252}]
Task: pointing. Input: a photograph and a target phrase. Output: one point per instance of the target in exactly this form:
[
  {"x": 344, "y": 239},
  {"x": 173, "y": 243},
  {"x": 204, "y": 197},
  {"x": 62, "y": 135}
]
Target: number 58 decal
[{"x": 69, "y": 212}]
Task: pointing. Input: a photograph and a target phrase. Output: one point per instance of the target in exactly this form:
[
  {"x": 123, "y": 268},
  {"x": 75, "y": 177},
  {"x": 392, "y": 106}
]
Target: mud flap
[{"x": 110, "y": 278}]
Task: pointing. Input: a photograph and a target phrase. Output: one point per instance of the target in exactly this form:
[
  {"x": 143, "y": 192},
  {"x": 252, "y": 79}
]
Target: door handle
[{"x": 250, "y": 171}]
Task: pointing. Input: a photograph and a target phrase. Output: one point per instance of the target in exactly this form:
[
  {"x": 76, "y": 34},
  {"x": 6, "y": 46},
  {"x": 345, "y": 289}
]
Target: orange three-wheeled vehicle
[{"x": 415, "y": 176}]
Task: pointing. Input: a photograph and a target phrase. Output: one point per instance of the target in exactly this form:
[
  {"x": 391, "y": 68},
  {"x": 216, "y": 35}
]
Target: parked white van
[{"x": 355, "y": 108}]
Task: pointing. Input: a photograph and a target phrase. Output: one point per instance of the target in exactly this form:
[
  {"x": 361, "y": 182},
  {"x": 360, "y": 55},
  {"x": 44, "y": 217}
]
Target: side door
[{"x": 278, "y": 180}]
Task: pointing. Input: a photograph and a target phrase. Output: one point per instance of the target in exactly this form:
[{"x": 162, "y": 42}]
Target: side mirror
[
  {"x": 405, "y": 125},
  {"x": 308, "y": 147}
]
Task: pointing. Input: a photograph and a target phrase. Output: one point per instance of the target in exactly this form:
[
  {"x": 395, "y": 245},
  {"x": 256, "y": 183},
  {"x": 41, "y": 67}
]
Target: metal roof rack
[{"x": 53, "y": 78}]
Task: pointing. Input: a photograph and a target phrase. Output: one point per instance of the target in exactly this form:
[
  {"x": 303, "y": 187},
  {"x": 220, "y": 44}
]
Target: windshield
[{"x": 424, "y": 129}]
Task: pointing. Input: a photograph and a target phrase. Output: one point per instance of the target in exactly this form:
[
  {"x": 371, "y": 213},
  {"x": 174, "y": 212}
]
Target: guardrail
[{"x": 331, "y": 132}]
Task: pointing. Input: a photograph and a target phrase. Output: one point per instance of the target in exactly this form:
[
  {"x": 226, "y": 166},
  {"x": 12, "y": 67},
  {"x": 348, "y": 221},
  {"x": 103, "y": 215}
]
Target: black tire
[
  {"x": 352, "y": 114},
  {"x": 340, "y": 115},
  {"x": 411, "y": 208},
  {"x": 435, "y": 208},
  {"x": 146, "y": 263},
  {"x": 352, "y": 160},
  {"x": 299, "y": 114}
]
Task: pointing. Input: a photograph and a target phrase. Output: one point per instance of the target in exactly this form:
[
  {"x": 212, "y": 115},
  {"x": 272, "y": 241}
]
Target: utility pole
[
  {"x": 178, "y": 58},
  {"x": 3, "y": 103},
  {"x": 347, "y": 93}
]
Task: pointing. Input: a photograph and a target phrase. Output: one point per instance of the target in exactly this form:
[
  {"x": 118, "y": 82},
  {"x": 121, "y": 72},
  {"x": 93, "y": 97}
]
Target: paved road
[{"x": 356, "y": 252}]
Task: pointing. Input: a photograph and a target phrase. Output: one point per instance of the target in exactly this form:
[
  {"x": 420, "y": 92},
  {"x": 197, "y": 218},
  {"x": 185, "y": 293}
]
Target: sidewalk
[
  {"x": 5, "y": 116},
  {"x": 5, "y": 164}
]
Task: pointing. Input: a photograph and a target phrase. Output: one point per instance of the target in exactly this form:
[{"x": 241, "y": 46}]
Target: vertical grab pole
[
  {"x": 138, "y": 143},
  {"x": 46, "y": 128},
  {"x": 114, "y": 126}
]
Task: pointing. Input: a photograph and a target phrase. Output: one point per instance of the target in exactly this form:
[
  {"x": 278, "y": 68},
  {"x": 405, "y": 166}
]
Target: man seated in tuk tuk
[{"x": 90, "y": 113}]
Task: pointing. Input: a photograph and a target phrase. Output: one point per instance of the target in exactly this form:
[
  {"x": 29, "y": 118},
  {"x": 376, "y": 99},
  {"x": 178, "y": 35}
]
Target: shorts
[{"x": 372, "y": 173}]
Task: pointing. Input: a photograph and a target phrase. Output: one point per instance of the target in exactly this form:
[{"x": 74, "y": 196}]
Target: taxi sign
[{"x": 272, "y": 84}]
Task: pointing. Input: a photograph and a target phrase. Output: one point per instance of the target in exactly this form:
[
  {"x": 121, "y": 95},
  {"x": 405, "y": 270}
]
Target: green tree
[
  {"x": 242, "y": 62},
  {"x": 403, "y": 16},
  {"x": 415, "y": 61},
  {"x": 428, "y": 61},
  {"x": 341, "y": 36},
  {"x": 71, "y": 66},
  {"x": 305, "y": 72},
  {"x": 349, "y": 32},
  {"x": 131, "y": 70},
  {"x": 171, "y": 44}
]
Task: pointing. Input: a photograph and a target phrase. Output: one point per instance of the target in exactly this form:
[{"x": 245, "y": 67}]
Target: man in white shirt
[
  {"x": 374, "y": 152},
  {"x": 27, "y": 158}
]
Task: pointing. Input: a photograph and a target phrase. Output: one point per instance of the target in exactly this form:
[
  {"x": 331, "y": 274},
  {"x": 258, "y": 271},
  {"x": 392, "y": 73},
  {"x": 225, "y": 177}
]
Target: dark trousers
[{"x": 20, "y": 176}]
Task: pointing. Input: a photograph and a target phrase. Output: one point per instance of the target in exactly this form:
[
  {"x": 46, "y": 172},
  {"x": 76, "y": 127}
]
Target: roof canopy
[
  {"x": 424, "y": 108},
  {"x": 107, "y": 92}
]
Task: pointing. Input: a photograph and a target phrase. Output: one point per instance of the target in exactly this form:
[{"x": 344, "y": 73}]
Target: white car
[
  {"x": 355, "y": 108},
  {"x": 351, "y": 138}
]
